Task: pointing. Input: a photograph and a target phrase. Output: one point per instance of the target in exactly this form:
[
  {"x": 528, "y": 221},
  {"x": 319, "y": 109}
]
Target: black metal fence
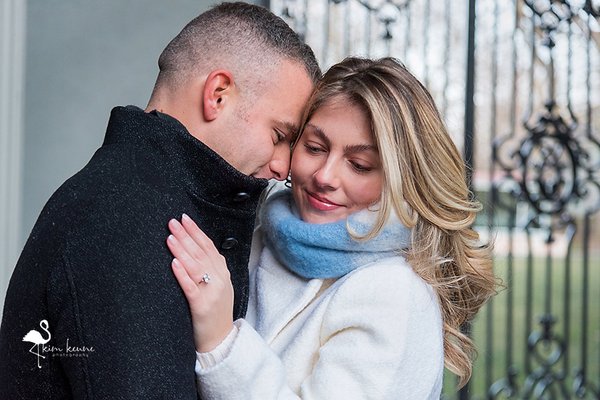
[{"x": 519, "y": 84}]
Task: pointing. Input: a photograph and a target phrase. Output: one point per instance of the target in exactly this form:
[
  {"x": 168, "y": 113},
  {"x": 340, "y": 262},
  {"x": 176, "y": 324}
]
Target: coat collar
[{"x": 183, "y": 160}]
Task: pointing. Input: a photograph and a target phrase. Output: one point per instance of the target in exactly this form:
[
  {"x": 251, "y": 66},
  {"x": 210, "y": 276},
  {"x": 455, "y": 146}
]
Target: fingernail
[
  {"x": 176, "y": 263},
  {"x": 171, "y": 238},
  {"x": 185, "y": 216}
]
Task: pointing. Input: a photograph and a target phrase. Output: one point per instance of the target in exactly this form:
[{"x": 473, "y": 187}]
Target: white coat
[{"x": 375, "y": 333}]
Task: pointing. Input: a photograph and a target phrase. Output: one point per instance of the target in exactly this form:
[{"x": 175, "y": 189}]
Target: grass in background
[{"x": 492, "y": 337}]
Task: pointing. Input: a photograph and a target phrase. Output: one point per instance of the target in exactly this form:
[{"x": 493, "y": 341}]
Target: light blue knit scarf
[{"x": 326, "y": 250}]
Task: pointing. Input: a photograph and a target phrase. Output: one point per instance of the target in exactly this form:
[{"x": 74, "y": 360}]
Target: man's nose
[{"x": 279, "y": 165}]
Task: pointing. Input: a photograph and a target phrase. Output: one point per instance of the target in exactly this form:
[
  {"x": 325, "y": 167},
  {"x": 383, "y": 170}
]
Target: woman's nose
[{"x": 326, "y": 176}]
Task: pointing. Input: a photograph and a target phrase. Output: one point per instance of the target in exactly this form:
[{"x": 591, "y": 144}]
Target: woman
[{"x": 363, "y": 273}]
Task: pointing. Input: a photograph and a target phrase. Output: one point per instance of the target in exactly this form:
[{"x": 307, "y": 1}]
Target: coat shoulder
[{"x": 392, "y": 277}]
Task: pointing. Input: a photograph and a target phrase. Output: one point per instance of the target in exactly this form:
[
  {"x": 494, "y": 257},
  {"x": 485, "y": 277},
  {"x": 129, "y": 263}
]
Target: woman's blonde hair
[{"x": 425, "y": 185}]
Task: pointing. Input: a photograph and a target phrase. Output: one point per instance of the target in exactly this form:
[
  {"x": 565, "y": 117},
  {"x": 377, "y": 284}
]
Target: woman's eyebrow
[
  {"x": 320, "y": 133},
  {"x": 349, "y": 149},
  {"x": 358, "y": 148}
]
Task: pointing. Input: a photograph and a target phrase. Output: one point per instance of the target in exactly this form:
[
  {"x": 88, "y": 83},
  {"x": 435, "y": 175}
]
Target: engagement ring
[{"x": 205, "y": 279}]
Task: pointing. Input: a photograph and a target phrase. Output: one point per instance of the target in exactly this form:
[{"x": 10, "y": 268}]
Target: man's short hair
[{"x": 236, "y": 36}]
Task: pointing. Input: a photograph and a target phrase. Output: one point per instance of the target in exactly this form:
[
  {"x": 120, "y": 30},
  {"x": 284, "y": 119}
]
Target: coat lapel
[{"x": 280, "y": 295}]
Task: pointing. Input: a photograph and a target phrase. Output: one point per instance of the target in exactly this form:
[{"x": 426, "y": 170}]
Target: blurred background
[{"x": 517, "y": 81}]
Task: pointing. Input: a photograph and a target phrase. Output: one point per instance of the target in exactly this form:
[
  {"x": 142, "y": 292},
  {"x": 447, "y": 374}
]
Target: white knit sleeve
[
  {"x": 251, "y": 371},
  {"x": 218, "y": 354}
]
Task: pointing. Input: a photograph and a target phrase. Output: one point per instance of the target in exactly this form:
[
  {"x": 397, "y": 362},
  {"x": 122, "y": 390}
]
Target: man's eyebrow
[{"x": 290, "y": 127}]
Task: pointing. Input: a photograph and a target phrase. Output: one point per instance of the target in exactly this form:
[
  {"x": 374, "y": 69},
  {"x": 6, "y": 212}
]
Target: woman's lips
[{"x": 321, "y": 203}]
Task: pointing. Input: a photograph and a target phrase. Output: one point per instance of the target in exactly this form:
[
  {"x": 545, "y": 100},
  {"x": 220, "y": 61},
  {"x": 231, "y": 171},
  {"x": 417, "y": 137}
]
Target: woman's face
[{"x": 335, "y": 168}]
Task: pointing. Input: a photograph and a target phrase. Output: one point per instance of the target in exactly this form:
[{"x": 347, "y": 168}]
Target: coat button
[
  {"x": 240, "y": 197},
  {"x": 229, "y": 243}
]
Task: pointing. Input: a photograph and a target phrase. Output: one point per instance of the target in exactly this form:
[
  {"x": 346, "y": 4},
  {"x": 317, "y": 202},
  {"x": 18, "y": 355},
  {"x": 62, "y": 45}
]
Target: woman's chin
[{"x": 320, "y": 217}]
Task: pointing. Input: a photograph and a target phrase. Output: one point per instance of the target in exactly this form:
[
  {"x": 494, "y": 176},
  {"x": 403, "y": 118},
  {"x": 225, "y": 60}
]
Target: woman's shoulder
[
  {"x": 399, "y": 311},
  {"x": 387, "y": 283},
  {"x": 388, "y": 272}
]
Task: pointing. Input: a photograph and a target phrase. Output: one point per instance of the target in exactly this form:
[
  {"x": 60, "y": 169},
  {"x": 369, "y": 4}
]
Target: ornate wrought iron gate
[{"x": 519, "y": 84}]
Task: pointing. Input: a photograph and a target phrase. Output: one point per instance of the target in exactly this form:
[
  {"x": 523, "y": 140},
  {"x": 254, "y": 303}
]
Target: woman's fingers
[
  {"x": 206, "y": 243},
  {"x": 183, "y": 278},
  {"x": 198, "y": 235},
  {"x": 191, "y": 265},
  {"x": 176, "y": 248},
  {"x": 188, "y": 243},
  {"x": 198, "y": 245},
  {"x": 210, "y": 300}
]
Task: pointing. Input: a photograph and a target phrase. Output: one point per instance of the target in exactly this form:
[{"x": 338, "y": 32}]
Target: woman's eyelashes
[
  {"x": 314, "y": 148},
  {"x": 360, "y": 168}
]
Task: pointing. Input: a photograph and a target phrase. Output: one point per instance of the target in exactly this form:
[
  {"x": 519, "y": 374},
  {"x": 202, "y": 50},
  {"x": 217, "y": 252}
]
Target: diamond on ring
[{"x": 205, "y": 278}]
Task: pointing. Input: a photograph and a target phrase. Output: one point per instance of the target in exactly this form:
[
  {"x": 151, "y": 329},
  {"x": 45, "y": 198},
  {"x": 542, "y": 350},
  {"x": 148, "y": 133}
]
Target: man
[{"x": 94, "y": 277}]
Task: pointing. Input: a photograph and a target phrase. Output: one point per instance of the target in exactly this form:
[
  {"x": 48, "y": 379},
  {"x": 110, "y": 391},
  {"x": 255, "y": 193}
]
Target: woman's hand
[{"x": 210, "y": 300}]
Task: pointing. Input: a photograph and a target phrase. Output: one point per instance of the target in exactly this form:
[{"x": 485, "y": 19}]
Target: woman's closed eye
[
  {"x": 360, "y": 167},
  {"x": 314, "y": 149}
]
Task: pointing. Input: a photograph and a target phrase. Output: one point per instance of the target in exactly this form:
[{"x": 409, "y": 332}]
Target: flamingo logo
[{"x": 36, "y": 338}]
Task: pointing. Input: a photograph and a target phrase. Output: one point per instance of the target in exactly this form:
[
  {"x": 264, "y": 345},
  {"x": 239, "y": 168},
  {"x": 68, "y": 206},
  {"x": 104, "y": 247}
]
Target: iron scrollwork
[
  {"x": 386, "y": 12},
  {"x": 556, "y": 173}
]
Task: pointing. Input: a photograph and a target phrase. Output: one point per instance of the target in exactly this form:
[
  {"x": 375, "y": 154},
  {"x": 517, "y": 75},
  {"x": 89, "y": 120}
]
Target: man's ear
[{"x": 218, "y": 91}]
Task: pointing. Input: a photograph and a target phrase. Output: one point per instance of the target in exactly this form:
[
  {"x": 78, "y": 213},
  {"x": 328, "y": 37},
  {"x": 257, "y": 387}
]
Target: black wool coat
[{"x": 97, "y": 269}]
